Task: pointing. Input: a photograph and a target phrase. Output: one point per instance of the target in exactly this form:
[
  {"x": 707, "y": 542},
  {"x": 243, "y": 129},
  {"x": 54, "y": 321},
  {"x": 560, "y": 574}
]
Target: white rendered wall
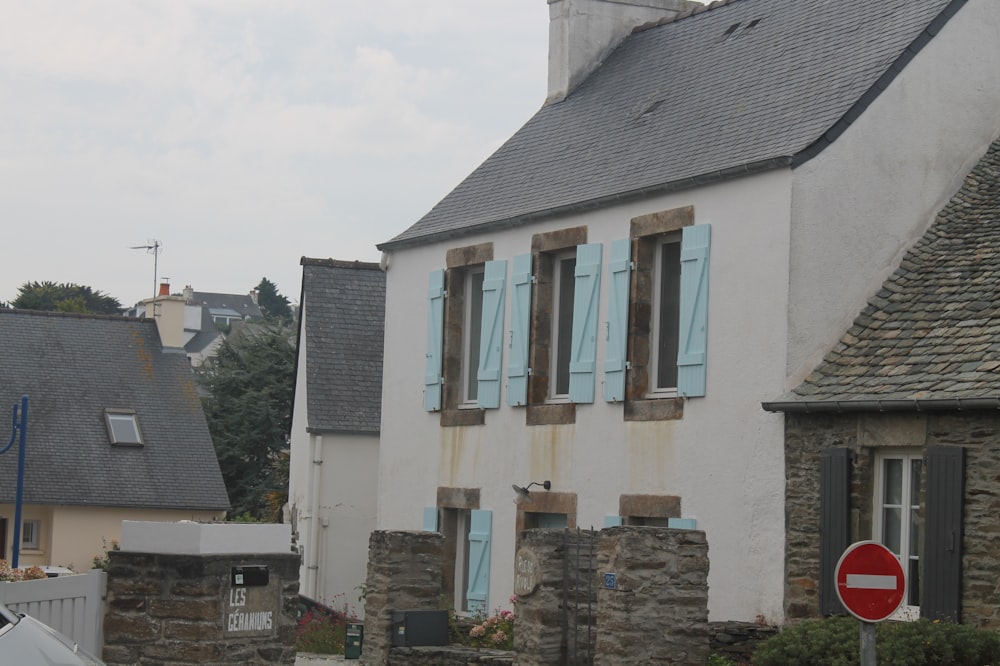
[
  {"x": 860, "y": 204},
  {"x": 724, "y": 458}
]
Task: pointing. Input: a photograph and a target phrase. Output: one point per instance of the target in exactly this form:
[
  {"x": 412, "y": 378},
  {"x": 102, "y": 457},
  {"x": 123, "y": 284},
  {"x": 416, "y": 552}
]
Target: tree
[
  {"x": 64, "y": 297},
  {"x": 249, "y": 412},
  {"x": 274, "y": 305}
]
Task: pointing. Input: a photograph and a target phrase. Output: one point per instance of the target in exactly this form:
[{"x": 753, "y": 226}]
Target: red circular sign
[{"x": 870, "y": 581}]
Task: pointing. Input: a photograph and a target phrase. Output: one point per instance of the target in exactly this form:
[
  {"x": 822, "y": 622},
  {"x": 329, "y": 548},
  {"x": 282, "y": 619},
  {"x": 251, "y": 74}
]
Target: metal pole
[
  {"x": 23, "y": 427},
  {"x": 868, "y": 644}
]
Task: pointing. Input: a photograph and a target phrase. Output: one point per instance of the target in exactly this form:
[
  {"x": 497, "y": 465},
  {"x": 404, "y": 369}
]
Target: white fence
[{"x": 73, "y": 605}]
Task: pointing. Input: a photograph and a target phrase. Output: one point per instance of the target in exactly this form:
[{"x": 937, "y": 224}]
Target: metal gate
[{"x": 579, "y": 602}]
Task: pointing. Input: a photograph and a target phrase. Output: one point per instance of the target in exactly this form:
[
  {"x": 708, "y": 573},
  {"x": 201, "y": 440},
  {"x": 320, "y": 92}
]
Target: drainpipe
[{"x": 312, "y": 550}]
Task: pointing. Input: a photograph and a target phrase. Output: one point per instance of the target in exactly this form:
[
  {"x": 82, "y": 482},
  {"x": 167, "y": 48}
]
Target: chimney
[
  {"x": 188, "y": 293},
  {"x": 164, "y": 289},
  {"x": 583, "y": 32}
]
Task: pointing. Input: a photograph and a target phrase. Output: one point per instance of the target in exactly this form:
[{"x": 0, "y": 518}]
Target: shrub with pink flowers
[{"x": 495, "y": 631}]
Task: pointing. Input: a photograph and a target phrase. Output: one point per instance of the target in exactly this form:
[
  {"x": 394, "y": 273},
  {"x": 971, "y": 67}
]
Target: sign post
[{"x": 870, "y": 584}]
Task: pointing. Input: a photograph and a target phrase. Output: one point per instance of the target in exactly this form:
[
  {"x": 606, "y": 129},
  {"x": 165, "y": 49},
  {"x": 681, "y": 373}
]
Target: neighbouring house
[
  {"x": 198, "y": 321},
  {"x": 336, "y": 417},
  {"x": 894, "y": 436},
  {"x": 115, "y": 432},
  {"x": 701, "y": 207}
]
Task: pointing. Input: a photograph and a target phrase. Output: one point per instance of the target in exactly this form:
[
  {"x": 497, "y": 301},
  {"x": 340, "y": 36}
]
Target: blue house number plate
[{"x": 611, "y": 581}]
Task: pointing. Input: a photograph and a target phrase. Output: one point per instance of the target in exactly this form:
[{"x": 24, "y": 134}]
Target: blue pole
[{"x": 23, "y": 427}]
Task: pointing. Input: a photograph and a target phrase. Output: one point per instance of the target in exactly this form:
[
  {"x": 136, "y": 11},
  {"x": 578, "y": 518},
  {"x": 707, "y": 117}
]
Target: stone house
[
  {"x": 115, "y": 432},
  {"x": 894, "y": 436},
  {"x": 702, "y": 205},
  {"x": 333, "y": 475}
]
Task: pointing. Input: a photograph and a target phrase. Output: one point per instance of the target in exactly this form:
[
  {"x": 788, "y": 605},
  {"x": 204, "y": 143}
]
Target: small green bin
[{"x": 352, "y": 642}]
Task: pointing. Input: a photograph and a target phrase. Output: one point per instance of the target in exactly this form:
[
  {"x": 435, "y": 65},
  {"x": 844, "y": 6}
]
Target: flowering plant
[
  {"x": 495, "y": 631},
  {"x": 16, "y": 575}
]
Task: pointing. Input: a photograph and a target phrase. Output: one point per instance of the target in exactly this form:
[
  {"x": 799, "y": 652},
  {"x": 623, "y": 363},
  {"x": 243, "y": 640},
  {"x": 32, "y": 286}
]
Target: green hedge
[{"x": 835, "y": 642}]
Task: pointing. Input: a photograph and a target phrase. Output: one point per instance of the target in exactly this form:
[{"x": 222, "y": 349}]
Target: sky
[{"x": 243, "y": 135}]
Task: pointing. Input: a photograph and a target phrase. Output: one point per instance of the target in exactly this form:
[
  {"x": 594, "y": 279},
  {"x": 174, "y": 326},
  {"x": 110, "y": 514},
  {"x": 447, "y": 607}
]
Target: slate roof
[
  {"x": 343, "y": 304},
  {"x": 931, "y": 336},
  {"x": 238, "y": 304},
  {"x": 744, "y": 86},
  {"x": 73, "y": 367}
]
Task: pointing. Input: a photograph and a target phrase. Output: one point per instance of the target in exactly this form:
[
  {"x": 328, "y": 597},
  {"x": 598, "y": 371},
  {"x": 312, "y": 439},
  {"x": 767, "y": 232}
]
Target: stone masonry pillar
[{"x": 404, "y": 573}]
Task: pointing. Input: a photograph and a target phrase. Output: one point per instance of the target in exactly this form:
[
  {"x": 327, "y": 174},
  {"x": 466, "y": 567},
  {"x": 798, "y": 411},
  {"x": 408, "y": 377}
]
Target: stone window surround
[
  {"x": 644, "y": 232},
  {"x": 547, "y": 502},
  {"x": 544, "y": 246},
  {"x": 456, "y": 261},
  {"x": 463, "y": 499},
  {"x": 648, "y": 506}
]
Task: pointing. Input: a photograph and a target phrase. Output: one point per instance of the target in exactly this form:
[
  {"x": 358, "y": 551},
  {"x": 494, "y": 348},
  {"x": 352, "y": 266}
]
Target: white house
[
  {"x": 691, "y": 220},
  {"x": 333, "y": 470}
]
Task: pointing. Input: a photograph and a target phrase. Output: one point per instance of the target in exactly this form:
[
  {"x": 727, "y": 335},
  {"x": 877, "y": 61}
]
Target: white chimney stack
[{"x": 583, "y": 32}]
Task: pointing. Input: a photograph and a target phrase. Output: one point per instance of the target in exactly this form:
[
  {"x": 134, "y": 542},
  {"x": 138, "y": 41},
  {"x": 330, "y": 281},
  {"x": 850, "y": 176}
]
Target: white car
[{"x": 24, "y": 641}]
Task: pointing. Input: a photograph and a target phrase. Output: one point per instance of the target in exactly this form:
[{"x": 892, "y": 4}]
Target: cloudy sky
[{"x": 244, "y": 134}]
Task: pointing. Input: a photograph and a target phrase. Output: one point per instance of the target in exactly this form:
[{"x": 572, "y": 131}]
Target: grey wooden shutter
[
  {"x": 834, "y": 523},
  {"x": 942, "y": 570}
]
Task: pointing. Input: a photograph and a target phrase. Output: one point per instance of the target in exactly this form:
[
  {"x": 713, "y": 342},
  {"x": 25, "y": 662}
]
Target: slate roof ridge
[
  {"x": 73, "y": 315},
  {"x": 930, "y": 337},
  {"x": 339, "y": 263},
  {"x": 700, "y": 9}
]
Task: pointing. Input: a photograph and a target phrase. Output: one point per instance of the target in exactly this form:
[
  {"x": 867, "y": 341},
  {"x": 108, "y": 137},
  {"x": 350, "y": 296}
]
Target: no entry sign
[{"x": 870, "y": 581}]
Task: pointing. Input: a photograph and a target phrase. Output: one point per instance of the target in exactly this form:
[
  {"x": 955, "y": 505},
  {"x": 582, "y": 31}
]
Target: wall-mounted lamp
[{"x": 522, "y": 492}]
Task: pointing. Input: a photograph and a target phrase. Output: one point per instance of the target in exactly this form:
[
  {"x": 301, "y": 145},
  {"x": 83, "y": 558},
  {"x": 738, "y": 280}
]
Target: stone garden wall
[{"x": 185, "y": 609}]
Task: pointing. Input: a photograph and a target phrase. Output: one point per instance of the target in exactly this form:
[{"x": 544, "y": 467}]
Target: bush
[
  {"x": 16, "y": 575},
  {"x": 835, "y": 641},
  {"x": 323, "y": 630}
]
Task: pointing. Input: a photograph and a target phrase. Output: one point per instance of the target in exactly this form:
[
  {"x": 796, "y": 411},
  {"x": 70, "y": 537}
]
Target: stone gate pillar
[
  {"x": 657, "y": 609},
  {"x": 404, "y": 573}
]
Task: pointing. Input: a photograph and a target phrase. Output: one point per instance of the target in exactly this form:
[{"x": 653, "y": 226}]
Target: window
[
  {"x": 465, "y": 335},
  {"x": 123, "y": 428},
  {"x": 31, "y": 535},
  {"x": 473, "y": 329},
  {"x": 545, "y": 520},
  {"x": 898, "y": 519},
  {"x": 467, "y": 534},
  {"x": 666, "y": 314},
  {"x": 553, "y": 336},
  {"x": 657, "y": 327},
  {"x": 562, "y": 323},
  {"x": 547, "y": 509}
]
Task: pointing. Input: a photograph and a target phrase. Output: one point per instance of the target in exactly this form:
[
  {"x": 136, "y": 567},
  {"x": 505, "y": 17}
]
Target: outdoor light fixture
[{"x": 522, "y": 492}]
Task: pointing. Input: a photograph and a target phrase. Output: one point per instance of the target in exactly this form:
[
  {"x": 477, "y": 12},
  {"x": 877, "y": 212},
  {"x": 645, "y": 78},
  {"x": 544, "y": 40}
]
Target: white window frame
[
  {"x": 31, "y": 537},
  {"x": 655, "y": 391},
  {"x": 122, "y": 415},
  {"x": 470, "y": 343},
  {"x": 906, "y": 612},
  {"x": 557, "y": 291}
]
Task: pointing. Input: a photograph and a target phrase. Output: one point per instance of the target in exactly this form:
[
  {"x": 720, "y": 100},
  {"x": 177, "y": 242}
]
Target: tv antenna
[{"x": 152, "y": 247}]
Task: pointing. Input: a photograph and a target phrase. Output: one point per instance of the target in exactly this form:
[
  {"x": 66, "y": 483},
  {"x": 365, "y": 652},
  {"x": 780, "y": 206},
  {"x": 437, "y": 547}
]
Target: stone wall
[
  {"x": 807, "y": 434},
  {"x": 559, "y": 570},
  {"x": 183, "y": 609},
  {"x": 658, "y": 609},
  {"x": 404, "y": 573}
]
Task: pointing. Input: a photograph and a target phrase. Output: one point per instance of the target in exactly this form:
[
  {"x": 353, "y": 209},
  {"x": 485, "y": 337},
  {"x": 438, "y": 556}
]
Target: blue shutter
[
  {"x": 942, "y": 576},
  {"x": 520, "y": 315},
  {"x": 586, "y": 303},
  {"x": 480, "y": 527},
  {"x": 614, "y": 359},
  {"x": 491, "y": 336},
  {"x": 693, "y": 338},
  {"x": 612, "y": 521},
  {"x": 435, "y": 341},
  {"x": 430, "y": 519}
]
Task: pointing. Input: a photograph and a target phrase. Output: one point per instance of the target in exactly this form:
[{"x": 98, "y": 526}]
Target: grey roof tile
[
  {"x": 679, "y": 103},
  {"x": 946, "y": 295},
  {"x": 343, "y": 304},
  {"x": 73, "y": 367}
]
